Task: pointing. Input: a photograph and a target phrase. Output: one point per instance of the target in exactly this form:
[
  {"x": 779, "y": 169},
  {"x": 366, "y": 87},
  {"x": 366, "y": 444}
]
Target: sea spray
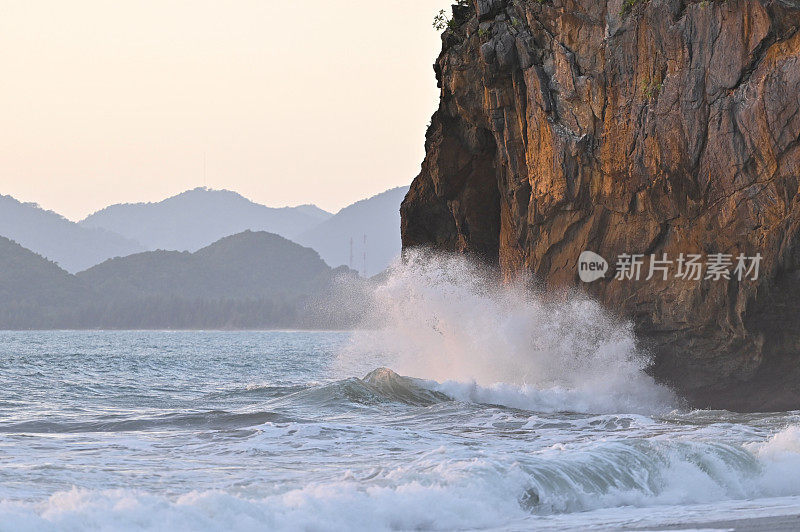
[{"x": 448, "y": 319}]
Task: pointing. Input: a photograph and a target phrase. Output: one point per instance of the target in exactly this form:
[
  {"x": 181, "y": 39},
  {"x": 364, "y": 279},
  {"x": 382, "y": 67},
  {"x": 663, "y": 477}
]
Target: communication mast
[
  {"x": 351, "y": 252},
  {"x": 365, "y": 255}
]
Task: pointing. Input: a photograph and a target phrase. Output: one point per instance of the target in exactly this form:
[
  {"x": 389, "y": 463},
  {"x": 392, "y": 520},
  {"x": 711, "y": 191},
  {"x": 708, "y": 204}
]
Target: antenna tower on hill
[
  {"x": 351, "y": 252},
  {"x": 365, "y": 255}
]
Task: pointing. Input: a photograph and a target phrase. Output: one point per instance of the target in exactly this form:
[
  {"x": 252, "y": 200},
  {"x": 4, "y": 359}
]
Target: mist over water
[{"x": 448, "y": 319}]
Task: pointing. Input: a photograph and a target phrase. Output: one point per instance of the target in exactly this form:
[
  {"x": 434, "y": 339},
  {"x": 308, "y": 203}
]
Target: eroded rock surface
[{"x": 670, "y": 126}]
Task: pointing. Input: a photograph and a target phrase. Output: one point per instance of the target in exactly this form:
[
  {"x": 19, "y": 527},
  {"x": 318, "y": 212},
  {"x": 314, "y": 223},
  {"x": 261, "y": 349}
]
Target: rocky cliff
[{"x": 637, "y": 127}]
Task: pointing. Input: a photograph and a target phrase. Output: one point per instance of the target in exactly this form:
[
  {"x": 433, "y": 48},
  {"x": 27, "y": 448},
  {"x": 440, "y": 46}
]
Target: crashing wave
[{"x": 449, "y": 320}]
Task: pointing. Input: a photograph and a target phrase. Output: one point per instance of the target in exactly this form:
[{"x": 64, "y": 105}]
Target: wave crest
[
  {"x": 540, "y": 490},
  {"x": 448, "y": 319}
]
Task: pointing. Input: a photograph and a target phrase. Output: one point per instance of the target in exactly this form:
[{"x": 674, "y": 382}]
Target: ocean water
[{"x": 463, "y": 408}]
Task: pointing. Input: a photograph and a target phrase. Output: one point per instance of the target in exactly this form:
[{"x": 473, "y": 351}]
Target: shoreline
[{"x": 779, "y": 523}]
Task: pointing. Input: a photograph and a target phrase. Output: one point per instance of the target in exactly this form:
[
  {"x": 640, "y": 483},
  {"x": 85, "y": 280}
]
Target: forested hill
[
  {"x": 33, "y": 290},
  {"x": 242, "y": 266},
  {"x": 248, "y": 280}
]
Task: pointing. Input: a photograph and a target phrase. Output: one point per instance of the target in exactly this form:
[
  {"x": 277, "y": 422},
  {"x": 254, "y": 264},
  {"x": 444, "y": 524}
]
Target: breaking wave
[
  {"x": 449, "y": 320},
  {"x": 459, "y": 494},
  {"x": 379, "y": 386}
]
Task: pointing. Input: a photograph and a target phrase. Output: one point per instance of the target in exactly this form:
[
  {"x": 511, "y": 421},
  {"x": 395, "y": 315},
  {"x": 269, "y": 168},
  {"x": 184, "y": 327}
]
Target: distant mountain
[
  {"x": 312, "y": 210},
  {"x": 251, "y": 280},
  {"x": 196, "y": 218},
  {"x": 70, "y": 245},
  {"x": 247, "y": 265},
  {"x": 35, "y": 292},
  {"x": 248, "y": 280},
  {"x": 377, "y": 217}
]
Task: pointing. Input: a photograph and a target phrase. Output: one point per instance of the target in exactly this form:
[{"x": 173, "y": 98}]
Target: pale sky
[{"x": 292, "y": 101}]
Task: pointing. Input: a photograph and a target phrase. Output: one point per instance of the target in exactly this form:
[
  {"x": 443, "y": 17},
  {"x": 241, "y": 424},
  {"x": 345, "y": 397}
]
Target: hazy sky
[{"x": 292, "y": 101}]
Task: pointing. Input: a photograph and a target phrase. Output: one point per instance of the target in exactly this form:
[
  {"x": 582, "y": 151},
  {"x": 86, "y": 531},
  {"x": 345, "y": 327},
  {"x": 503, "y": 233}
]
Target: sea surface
[{"x": 291, "y": 431}]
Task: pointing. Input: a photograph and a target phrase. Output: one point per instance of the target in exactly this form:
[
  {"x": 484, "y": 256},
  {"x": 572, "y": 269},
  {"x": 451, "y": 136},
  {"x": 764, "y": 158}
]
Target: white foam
[
  {"x": 779, "y": 457},
  {"x": 332, "y": 506},
  {"x": 447, "y": 319},
  {"x": 439, "y": 491}
]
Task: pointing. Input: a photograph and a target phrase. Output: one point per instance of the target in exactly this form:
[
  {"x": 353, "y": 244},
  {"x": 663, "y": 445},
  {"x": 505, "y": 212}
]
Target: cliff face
[{"x": 661, "y": 126}]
